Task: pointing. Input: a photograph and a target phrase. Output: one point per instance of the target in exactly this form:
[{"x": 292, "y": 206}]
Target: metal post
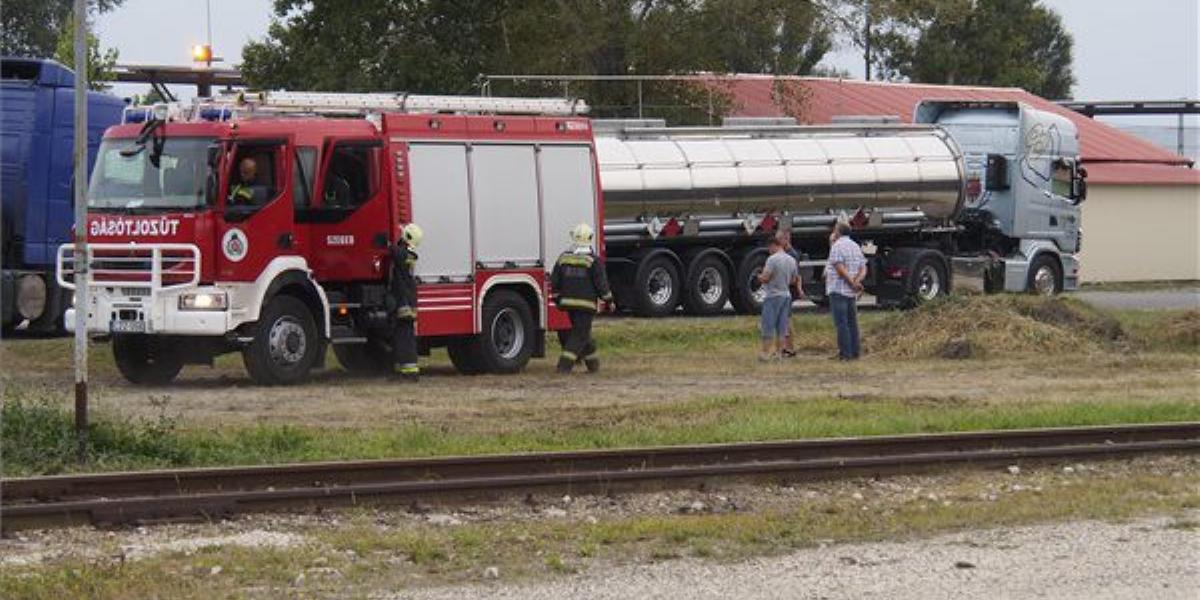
[
  {"x": 867, "y": 42},
  {"x": 82, "y": 262},
  {"x": 1179, "y": 137},
  {"x": 639, "y": 84}
]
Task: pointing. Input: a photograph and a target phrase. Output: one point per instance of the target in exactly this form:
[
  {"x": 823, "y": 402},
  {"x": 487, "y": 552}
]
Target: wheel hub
[
  {"x": 929, "y": 282},
  {"x": 508, "y": 336},
  {"x": 755, "y": 286},
  {"x": 286, "y": 341},
  {"x": 660, "y": 286},
  {"x": 711, "y": 285},
  {"x": 1043, "y": 281}
]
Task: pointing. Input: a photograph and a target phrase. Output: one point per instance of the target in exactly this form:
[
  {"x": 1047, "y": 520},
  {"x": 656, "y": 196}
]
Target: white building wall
[{"x": 1141, "y": 233}]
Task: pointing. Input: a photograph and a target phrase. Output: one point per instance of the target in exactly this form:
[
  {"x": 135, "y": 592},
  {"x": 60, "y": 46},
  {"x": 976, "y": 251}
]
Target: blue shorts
[{"x": 776, "y": 315}]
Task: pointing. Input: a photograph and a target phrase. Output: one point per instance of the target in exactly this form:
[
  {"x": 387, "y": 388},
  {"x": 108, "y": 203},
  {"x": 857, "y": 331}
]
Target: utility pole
[
  {"x": 82, "y": 260},
  {"x": 867, "y": 39}
]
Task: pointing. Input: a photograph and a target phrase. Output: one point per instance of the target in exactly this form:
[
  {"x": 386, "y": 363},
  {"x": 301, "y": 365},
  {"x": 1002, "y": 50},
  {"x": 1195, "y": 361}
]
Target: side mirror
[
  {"x": 1080, "y": 185},
  {"x": 997, "y": 172},
  {"x": 213, "y": 156}
]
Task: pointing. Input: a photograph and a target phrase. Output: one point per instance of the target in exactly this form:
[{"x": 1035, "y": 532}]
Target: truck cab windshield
[{"x": 131, "y": 182}]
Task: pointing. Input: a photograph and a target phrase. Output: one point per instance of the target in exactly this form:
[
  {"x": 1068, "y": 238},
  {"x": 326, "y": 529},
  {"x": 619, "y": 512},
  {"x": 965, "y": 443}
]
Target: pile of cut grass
[{"x": 961, "y": 326}]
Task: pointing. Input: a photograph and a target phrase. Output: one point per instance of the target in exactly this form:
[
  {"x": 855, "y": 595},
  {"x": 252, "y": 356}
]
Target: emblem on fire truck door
[{"x": 235, "y": 245}]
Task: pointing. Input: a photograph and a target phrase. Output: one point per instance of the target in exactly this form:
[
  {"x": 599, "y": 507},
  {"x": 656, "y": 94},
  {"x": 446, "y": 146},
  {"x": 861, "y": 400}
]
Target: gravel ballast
[{"x": 1148, "y": 558}]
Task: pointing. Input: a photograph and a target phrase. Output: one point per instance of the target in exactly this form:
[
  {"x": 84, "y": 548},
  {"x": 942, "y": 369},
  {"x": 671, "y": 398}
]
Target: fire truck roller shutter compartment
[
  {"x": 505, "y": 193},
  {"x": 568, "y": 196},
  {"x": 441, "y": 204}
]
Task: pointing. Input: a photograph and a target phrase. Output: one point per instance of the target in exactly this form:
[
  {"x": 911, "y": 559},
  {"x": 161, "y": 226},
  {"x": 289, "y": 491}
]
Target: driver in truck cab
[
  {"x": 247, "y": 191},
  {"x": 577, "y": 283},
  {"x": 402, "y": 301}
]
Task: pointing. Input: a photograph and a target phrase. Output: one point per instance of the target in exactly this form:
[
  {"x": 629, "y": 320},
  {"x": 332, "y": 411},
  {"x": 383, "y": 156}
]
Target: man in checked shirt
[{"x": 844, "y": 274}]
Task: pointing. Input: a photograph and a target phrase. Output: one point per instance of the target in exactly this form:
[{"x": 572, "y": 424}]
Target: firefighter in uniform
[
  {"x": 576, "y": 283},
  {"x": 402, "y": 301}
]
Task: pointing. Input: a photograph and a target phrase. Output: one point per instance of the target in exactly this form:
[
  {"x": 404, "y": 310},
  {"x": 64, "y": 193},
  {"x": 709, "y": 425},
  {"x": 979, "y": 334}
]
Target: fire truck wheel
[
  {"x": 370, "y": 358},
  {"x": 506, "y": 342},
  {"x": 656, "y": 287},
  {"x": 146, "y": 360},
  {"x": 464, "y": 354},
  {"x": 285, "y": 343},
  {"x": 707, "y": 286},
  {"x": 747, "y": 294}
]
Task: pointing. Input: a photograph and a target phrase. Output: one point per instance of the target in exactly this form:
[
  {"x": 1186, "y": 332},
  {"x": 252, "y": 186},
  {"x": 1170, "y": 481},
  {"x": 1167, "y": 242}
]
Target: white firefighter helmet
[
  {"x": 412, "y": 235},
  {"x": 582, "y": 234}
]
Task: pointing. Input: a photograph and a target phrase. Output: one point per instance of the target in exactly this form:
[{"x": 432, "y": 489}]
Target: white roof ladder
[{"x": 357, "y": 103}]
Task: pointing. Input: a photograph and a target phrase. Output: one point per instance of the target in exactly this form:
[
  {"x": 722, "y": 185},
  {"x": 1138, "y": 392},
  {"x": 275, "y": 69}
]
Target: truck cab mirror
[
  {"x": 997, "y": 172},
  {"x": 212, "y": 178},
  {"x": 213, "y": 156},
  {"x": 1079, "y": 193}
]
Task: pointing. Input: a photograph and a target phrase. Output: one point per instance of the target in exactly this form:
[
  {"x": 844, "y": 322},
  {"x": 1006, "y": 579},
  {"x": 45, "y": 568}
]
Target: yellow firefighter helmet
[
  {"x": 412, "y": 235},
  {"x": 582, "y": 235}
]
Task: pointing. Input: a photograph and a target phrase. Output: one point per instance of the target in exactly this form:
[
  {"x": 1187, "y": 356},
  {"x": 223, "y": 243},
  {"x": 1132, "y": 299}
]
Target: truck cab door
[
  {"x": 348, "y": 221},
  {"x": 256, "y": 215}
]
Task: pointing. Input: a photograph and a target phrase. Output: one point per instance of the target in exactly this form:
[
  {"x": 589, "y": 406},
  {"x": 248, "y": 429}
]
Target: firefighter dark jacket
[
  {"x": 578, "y": 280},
  {"x": 402, "y": 286}
]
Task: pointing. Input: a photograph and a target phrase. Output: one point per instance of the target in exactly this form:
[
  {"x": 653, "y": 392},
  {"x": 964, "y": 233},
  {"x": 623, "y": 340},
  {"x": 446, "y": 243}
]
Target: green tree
[
  {"x": 100, "y": 63},
  {"x": 33, "y": 27},
  {"x": 443, "y": 46},
  {"x": 1017, "y": 43}
]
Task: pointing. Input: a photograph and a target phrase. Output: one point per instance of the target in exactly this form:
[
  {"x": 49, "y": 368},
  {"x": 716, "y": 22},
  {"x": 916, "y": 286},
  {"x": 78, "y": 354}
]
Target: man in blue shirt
[{"x": 844, "y": 274}]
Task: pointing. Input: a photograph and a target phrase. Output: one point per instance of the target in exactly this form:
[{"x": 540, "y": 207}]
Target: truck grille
[{"x": 137, "y": 269}]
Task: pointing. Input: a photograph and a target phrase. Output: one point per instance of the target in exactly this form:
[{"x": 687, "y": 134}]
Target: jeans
[
  {"x": 845, "y": 320},
  {"x": 776, "y": 315}
]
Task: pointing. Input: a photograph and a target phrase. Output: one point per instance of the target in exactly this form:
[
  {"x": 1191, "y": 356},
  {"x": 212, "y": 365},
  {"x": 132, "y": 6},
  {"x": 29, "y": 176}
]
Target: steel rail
[{"x": 215, "y": 493}]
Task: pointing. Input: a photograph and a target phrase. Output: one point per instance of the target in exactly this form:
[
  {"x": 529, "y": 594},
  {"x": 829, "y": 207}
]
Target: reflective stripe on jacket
[{"x": 578, "y": 280}]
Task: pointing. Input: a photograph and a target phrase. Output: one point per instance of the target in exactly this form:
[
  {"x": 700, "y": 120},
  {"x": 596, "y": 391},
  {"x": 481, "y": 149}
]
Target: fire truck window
[
  {"x": 254, "y": 180},
  {"x": 303, "y": 174},
  {"x": 348, "y": 183}
]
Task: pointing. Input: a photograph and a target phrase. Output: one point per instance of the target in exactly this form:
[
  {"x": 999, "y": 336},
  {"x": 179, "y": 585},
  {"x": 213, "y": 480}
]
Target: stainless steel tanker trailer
[{"x": 982, "y": 192}]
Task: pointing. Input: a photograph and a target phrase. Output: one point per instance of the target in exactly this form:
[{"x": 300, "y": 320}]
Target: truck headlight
[{"x": 204, "y": 301}]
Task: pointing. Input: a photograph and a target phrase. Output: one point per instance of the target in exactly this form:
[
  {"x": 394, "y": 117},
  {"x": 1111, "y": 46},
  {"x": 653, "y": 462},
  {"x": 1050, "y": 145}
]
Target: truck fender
[
  {"x": 512, "y": 280},
  {"x": 248, "y": 299},
  {"x": 1016, "y": 265}
]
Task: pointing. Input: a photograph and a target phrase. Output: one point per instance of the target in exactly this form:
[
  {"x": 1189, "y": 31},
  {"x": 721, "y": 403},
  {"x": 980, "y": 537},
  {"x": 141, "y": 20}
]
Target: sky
[{"x": 1123, "y": 49}]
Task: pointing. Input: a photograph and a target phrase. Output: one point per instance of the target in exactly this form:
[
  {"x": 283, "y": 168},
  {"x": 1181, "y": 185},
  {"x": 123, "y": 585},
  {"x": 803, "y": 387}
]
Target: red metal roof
[{"x": 1112, "y": 156}]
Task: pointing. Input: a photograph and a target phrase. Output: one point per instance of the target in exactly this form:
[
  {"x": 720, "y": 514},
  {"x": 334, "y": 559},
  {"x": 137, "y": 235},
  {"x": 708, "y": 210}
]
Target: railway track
[{"x": 214, "y": 493}]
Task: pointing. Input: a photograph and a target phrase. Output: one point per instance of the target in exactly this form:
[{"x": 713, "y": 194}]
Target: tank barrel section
[{"x": 720, "y": 179}]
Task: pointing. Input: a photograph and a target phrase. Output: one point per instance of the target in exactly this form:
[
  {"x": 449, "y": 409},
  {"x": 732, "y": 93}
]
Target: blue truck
[{"x": 37, "y": 134}]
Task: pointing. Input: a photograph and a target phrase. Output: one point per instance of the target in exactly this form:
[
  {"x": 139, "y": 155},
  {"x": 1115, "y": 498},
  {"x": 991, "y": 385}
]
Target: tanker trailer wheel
[
  {"x": 928, "y": 281},
  {"x": 1045, "y": 276},
  {"x": 145, "y": 359},
  {"x": 371, "y": 358},
  {"x": 507, "y": 339},
  {"x": 707, "y": 287},
  {"x": 656, "y": 287},
  {"x": 285, "y": 345},
  {"x": 747, "y": 290}
]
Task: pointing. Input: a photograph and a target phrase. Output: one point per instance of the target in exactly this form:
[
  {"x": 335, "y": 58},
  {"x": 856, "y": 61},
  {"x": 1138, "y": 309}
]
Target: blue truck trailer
[{"x": 37, "y": 132}]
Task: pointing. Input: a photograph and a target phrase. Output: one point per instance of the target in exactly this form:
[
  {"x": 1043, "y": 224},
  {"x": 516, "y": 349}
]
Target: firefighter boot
[
  {"x": 565, "y": 364},
  {"x": 592, "y": 363},
  {"x": 410, "y": 373}
]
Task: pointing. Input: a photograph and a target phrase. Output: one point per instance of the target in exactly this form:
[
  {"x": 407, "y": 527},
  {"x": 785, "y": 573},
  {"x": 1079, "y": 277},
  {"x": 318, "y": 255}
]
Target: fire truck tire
[
  {"x": 656, "y": 287},
  {"x": 706, "y": 290},
  {"x": 506, "y": 342},
  {"x": 146, "y": 360},
  {"x": 464, "y": 354},
  {"x": 286, "y": 343},
  {"x": 370, "y": 358},
  {"x": 746, "y": 297}
]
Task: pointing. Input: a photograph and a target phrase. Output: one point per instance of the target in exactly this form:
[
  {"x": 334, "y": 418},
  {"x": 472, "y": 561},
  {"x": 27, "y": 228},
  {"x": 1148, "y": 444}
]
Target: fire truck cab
[{"x": 261, "y": 224}]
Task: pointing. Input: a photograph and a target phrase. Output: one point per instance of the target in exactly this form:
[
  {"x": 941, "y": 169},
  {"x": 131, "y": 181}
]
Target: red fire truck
[{"x": 180, "y": 273}]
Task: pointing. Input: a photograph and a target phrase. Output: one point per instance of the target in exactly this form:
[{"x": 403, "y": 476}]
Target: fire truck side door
[
  {"x": 348, "y": 222},
  {"x": 256, "y": 209}
]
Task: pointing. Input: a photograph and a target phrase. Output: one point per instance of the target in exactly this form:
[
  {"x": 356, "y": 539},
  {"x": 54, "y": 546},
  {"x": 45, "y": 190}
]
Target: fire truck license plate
[{"x": 127, "y": 326}]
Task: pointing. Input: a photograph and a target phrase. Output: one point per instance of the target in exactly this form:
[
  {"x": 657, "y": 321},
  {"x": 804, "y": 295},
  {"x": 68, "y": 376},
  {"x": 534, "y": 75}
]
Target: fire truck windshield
[{"x": 125, "y": 180}]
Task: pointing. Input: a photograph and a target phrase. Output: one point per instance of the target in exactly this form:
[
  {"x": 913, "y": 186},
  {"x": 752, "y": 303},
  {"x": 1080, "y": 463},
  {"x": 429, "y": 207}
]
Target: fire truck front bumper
[{"x": 192, "y": 310}]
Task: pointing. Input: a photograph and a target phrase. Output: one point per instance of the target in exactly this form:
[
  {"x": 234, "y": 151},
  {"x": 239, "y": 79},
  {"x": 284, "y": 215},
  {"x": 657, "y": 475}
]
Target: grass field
[{"x": 664, "y": 382}]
